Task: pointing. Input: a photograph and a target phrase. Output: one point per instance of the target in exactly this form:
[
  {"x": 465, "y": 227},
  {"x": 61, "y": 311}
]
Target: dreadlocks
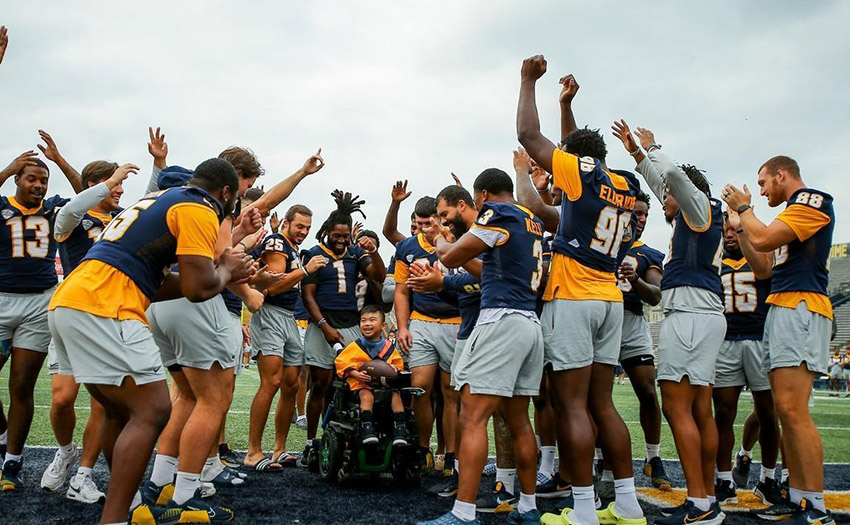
[
  {"x": 346, "y": 205},
  {"x": 697, "y": 176}
]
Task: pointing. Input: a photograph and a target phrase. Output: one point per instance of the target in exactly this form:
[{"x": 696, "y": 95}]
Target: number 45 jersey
[
  {"x": 27, "y": 246},
  {"x": 745, "y": 299},
  {"x": 594, "y": 231}
]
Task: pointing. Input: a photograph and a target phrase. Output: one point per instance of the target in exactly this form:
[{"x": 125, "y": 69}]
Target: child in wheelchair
[{"x": 372, "y": 346}]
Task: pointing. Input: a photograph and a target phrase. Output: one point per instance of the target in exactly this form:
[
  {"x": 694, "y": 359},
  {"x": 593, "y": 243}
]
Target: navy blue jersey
[
  {"x": 278, "y": 243},
  {"x": 232, "y": 302},
  {"x": 27, "y": 246},
  {"x": 336, "y": 283},
  {"x": 596, "y": 211},
  {"x": 745, "y": 299},
  {"x": 299, "y": 312},
  {"x": 426, "y": 306},
  {"x": 76, "y": 245},
  {"x": 513, "y": 267},
  {"x": 642, "y": 258},
  {"x": 547, "y": 261},
  {"x": 694, "y": 258},
  {"x": 468, "y": 290},
  {"x": 801, "y": 266},
  {"x": 139, "y": 241}
]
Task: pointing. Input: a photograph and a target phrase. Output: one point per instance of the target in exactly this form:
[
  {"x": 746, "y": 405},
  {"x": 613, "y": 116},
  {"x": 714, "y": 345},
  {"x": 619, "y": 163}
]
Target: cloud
[{"x": 404, "y": 90}]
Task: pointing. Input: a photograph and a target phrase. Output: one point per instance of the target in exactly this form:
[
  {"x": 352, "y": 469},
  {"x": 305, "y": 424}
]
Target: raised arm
[
  {"x": 527, "y": 121},
  {"x": 283, "y": 189},
  {"x": 390, "y": 231},
  {"x": 376, "y": 270},
  {"x": 529, "y": 196},
  {"x": 569, "y": 88},
  {"x": 643, "y": 165},
  {"x": 71, "y": 214},
  {"x": 23, "y": 160},
  {"x": 52, "y": 153},
  {"x": 4, "y": 41},
  {"x": 762, "y": 237}
]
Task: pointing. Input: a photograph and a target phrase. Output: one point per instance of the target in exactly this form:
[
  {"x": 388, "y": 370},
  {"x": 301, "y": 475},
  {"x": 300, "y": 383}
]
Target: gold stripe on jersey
[
  {"x": 815, "y": 302},
  {"x": 23, "y": 209},
  {"x": 102, "y": 290},
  {"x": 571, "y": 280},
  {"x": 416, "y": 316},
  {"x": 804, "y": 221}
]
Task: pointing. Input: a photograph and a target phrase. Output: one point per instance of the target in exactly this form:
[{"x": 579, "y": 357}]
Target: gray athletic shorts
[
  {"x": 688, "y": 345},
  {"x": 236, "y": 320},
  {"x": 740, "y": 363},
  {"x": 274, "y": 332},
  {"x": 104, "y": 351},
  {"x": 53, "y": 362},
  {"x": 635, "y": 340},
  {"x": 504, "y": 358},
  {"x": 459, "y": 345},
  {"x": 794, "y": 336},
  {"x": 433, "y": 343},
  {"x": 23, "y": 320},
  {"x": 317, "y": 351},
  {"x": 193, "y": 334},
  {"x": 579, "y": 333}
]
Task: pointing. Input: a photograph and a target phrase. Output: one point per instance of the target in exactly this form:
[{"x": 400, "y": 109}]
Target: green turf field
[{"x": 832, "y": 415}]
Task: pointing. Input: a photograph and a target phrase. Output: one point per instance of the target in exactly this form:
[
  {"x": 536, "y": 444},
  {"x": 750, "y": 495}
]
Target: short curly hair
[{"x": 586, "y": 142}]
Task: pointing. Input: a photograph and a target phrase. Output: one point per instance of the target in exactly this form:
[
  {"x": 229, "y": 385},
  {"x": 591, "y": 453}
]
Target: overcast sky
[{"x": 416, "y": 90}]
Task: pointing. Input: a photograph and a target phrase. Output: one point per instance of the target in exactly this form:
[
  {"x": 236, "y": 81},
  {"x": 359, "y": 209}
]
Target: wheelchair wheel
[{"x": 330, "y": 456}]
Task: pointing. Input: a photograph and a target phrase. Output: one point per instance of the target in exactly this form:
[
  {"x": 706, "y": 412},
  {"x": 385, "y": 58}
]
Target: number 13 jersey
[{"x": 594, "y": 231}]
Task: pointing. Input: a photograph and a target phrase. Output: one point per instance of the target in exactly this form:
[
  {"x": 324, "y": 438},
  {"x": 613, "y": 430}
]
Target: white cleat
[
  {"x": 84, "y": 489},
  {"x": 56, "y": 473}
]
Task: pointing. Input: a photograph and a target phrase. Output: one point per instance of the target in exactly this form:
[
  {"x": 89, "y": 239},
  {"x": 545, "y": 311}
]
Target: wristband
[
  {"x": 322, "y": 320},
  {"x": 544, "y": 191},
  {"x": 744, "y": 207},
  {"x": 245, "y": 246},
  {"x": 635, "y": 152},
  {"x": 653, "y": 146},
  {"x": 306, "y": 273},
  {"x": 370, "y": 253}
]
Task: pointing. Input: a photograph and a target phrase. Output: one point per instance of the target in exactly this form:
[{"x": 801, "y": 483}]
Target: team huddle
[{"x": 531, "y": 288}]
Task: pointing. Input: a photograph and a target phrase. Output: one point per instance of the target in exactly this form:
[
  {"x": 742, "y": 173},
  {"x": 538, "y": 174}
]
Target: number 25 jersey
[{"x": 596, "y": 222}]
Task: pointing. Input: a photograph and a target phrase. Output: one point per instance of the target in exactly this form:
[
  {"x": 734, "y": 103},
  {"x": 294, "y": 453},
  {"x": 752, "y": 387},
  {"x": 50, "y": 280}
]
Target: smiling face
[
  {"x": 298, "y": 228},
  {"x": 641, "y": 212},
  {"x": 730, "y": 238},
  {"x": 112, "y": 201},
  {"x": 452, "y": 217},
  {"x": 32, "y": 186},
  {"x": 339, "y": 238},
  {"x": 771, "y": 186},
  {"x": 372, "y": 325},
  {"x": 670, "y": 207}
]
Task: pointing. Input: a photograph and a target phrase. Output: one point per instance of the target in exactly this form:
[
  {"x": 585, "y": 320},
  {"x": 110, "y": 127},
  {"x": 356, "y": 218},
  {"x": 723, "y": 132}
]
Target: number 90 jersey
[
  {"x": 337, "y": 281},
  {"x": 745, "y": 300},
  {"x": 513, "y": 266},
  {"x": 27, "y": 246}
]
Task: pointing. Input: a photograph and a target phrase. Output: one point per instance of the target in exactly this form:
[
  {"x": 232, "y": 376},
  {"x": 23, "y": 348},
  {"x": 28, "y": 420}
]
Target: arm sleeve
[
  {"x": 653, "y": 179},
  {"x": 153, "y": 183},
  {"x": 388, "y": 290},
  {"x": 71, "y": 214},
  {"x": 565, "y": 173},
  {"x": 489, "y": 235},
  {"x": 195, "y": 227},
  {"x": 693, "y": 203},
  {"x": 804, "y": 221}
]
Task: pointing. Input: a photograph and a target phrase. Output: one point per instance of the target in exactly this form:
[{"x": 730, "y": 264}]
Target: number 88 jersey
[
  {"x": 745, "y": 299},
  {"x": 27, "y": 246}
]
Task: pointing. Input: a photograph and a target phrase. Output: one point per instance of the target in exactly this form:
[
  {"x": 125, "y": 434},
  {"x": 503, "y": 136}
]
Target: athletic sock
[
  {"x": 457, "y": 465},
  {"x": 67, "y": 450},
  {"x": 547, "y": 460},
  {"x": 539, "y": 443},
  {"x": 507, "y": 476},
  {"x": 164, "y": 469},
  {"x": 725, "y": 475},
  {"x": 4, "y": 437},
  {"x": 366, "y": 415},
  {"x": 598, "y": 453},
  {"x": 653, "y": 451},
  {"x": 137, "y": 500},
  {"x": 795, "y": 495},
  {"x": 767, "y": 473},
  {"x": 450, "y": 460},
  {"x": 464, "y": 511},
  {"x": 712, "y": 500},
  {"x": 527, "y": 503},
  {"x": 585, "y": 508},
  {"x": 701, "y": 503},
  {"x": 607, "y": 475},
  {"x": 212, "y": 468},
  {"x": 83, "y": 472},
  {"x": 625, "y": 500},
  {"x": 783, "y": 474},
  {"x": 816, "y": 499},
  {"x": 748, "y": 453},
  {"x": 185, "y": 487},
  {"x": 12, "y": 457}
]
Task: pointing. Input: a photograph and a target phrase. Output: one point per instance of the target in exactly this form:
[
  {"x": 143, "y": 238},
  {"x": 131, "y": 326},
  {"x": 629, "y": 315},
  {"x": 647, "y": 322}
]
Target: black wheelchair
[{"x": 342, "y": 455}]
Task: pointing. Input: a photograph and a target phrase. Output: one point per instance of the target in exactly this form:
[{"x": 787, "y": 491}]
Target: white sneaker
[
  {"x": 55, "y": 474},
  {"x": 301, "y": 421},
  {"x": 207, "y": 489},
  {"x": 83, "y": 488}
]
